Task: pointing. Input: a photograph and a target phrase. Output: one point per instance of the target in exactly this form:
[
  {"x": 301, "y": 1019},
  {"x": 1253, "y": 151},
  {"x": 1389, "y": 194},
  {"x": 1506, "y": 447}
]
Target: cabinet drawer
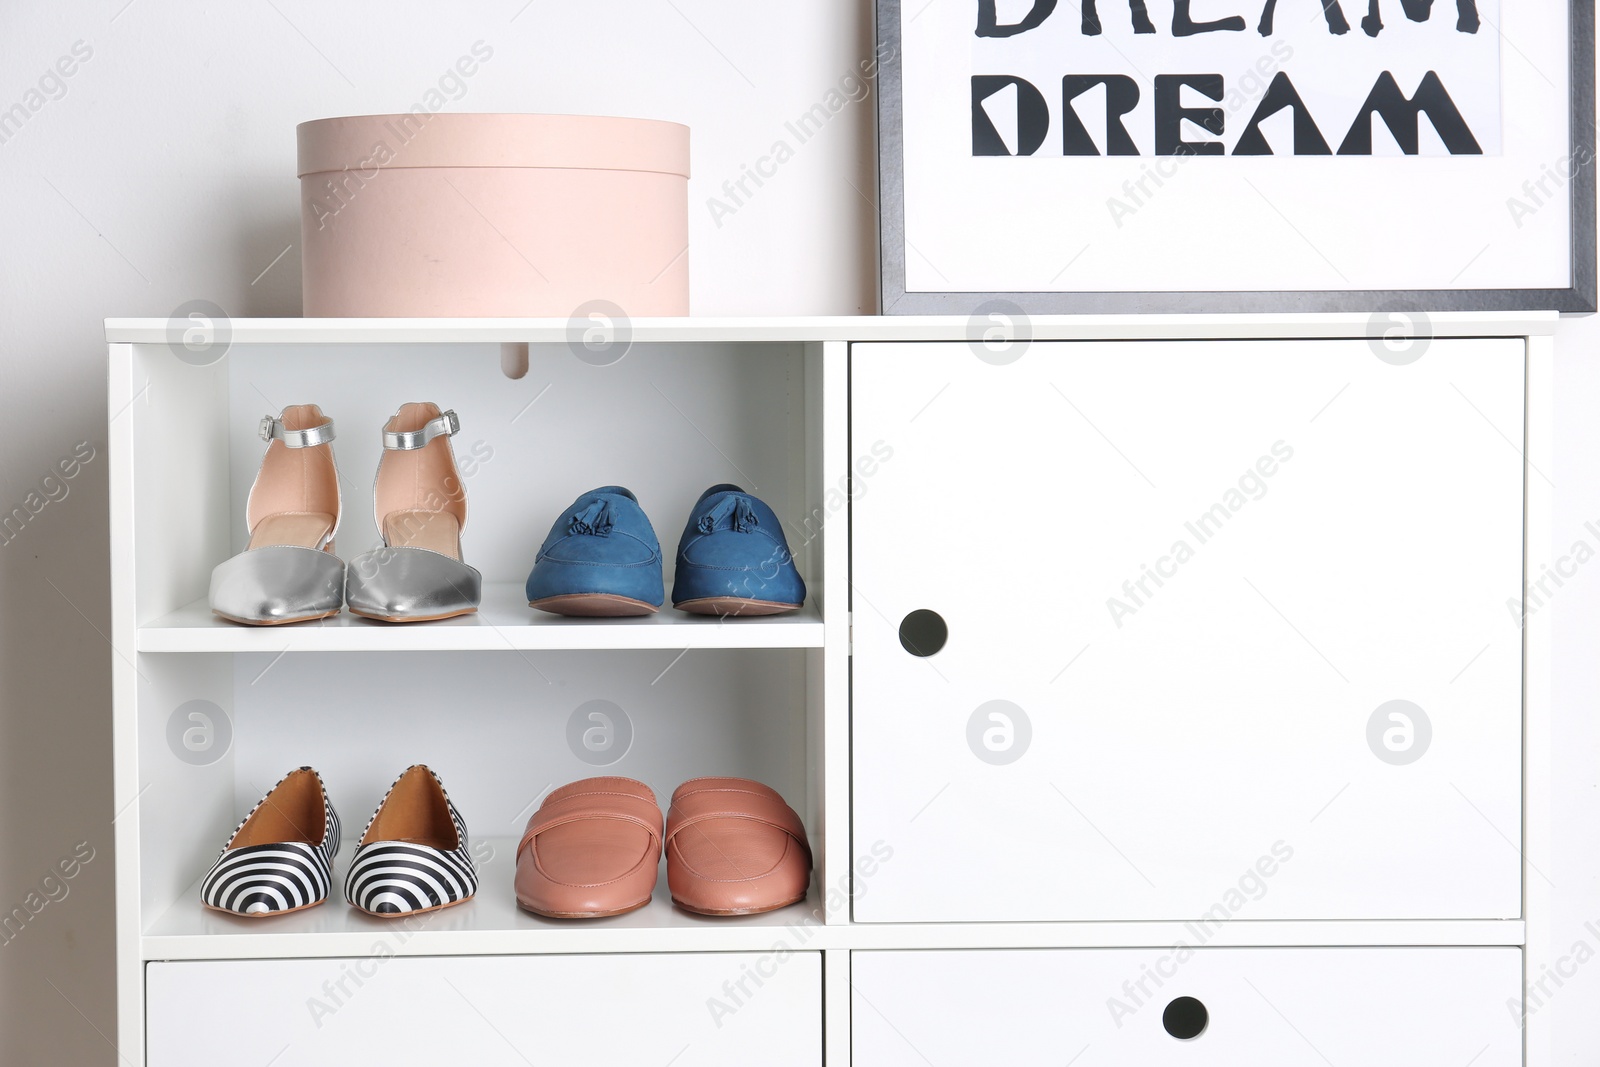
[
  {"x": 1378, "y": 1007},
  {"x": 1231, "y": 631},
  {"x": 728, "y": 1009}
]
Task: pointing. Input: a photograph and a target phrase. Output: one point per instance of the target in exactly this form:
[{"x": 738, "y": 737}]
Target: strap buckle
[{"x": 446, "y": 425}]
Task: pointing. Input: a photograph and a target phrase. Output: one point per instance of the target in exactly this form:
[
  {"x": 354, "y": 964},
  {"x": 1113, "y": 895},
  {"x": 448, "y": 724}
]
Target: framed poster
[{"x": 1123, "y": 156}]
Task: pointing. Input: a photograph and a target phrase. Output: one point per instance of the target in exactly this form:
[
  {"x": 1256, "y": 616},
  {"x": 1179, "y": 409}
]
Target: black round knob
[
  {"x": 1185, "y": 1018},
  {"x": 923, "y": 632}
]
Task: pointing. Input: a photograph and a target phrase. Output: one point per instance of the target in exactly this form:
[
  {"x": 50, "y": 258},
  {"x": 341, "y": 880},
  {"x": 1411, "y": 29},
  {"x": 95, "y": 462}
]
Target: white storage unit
[{"x": 1223, "y": 758}]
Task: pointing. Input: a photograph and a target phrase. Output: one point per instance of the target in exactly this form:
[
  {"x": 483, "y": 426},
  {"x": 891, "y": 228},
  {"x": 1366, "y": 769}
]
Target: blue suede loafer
[
  {"x": 733, "y": 559},
  {"x": 601, "y": 558}
]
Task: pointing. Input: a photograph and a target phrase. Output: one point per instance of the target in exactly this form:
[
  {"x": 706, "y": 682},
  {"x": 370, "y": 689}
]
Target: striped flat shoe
[
  {"x": 280, "y": 858},
  {"x": 413, "y": 855}
]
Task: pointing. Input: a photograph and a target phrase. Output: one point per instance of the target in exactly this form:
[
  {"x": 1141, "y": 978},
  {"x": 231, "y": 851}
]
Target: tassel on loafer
[
  {"x": 288, "y": 572},
  {"x": 280, "y": 858},
  {"x": 420, "y": 505}
]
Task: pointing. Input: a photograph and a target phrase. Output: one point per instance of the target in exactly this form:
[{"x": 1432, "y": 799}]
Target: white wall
[{"x": 166, "y": 173}]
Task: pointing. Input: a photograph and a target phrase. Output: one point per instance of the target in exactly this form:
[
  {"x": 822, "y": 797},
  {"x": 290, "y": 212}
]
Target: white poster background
[
  {"x": 1046, "y": 223},
  {"x": 1332, "y": 73}
]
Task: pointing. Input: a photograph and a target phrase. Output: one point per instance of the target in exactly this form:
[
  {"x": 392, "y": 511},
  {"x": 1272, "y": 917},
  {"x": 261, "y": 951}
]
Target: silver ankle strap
[
  {"x": 272, "y": 430},
  {"x": 446, "y": 425}
]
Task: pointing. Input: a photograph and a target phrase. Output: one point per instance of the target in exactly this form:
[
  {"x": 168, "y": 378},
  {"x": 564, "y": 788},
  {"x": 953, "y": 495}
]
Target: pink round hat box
[{"x": 423, "y": 215}]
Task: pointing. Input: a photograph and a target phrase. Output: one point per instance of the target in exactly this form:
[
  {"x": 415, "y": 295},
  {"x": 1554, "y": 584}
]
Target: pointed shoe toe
[
  {"x": 411, "y": 585},
  {"x": 278, "y": 584}
]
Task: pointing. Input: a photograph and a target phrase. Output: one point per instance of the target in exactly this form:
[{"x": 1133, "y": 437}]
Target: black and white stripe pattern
[
  {"x": 401, "y": 877},
  {"x": 269, "y": 879}
]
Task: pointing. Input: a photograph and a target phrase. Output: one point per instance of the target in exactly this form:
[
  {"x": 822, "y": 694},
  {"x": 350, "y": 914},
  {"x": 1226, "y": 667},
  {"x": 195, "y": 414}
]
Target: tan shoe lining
[
  {"x": 293, "y": 811},
  {"x": 415, "y": 811}
]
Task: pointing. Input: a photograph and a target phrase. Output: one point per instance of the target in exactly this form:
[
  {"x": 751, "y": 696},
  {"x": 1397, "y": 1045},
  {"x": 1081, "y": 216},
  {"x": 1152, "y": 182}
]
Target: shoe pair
[
  {"x": 288, "y": 572},
  {"x": 593, "y": 848},
  {"x": 411, "y": 858},
  {"x": 602, "y": 558}
]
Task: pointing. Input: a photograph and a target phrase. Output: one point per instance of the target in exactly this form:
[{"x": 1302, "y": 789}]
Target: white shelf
[
  {"x": 504, "y": 622},
  {"x": 489, "y": 924},
  {"x": 806, "y": 329}
]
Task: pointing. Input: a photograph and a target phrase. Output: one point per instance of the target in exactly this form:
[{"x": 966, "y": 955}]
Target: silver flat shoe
[
  {"x": 420, "y": 505},
  {"x": 288, "y": 572}
]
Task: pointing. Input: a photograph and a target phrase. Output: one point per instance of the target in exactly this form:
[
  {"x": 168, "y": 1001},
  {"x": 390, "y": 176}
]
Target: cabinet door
[
  {"x": 1230, "y": 630},
  {"x": 730, "y": 1009},
  {"x": 1376, "y": 1007}
]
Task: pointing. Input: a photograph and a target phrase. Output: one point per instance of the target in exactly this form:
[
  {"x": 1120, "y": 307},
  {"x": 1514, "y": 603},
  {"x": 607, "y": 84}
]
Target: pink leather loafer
[
  {"x": 592, "y": 849},
  {"x": 734, "y": 848}
]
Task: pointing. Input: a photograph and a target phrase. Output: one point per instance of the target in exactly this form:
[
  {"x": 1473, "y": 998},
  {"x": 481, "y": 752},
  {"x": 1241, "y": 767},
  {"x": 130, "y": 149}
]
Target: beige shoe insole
[
  {"x": 436, "y": 531},
  {"x": 306, "y": 529}
]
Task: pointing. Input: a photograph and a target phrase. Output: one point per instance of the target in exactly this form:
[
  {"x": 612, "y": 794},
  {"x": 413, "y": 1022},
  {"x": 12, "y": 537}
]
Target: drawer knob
[
  {"x": 1185, "y": 1018},
  {"x": 923, "y": 632}
]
